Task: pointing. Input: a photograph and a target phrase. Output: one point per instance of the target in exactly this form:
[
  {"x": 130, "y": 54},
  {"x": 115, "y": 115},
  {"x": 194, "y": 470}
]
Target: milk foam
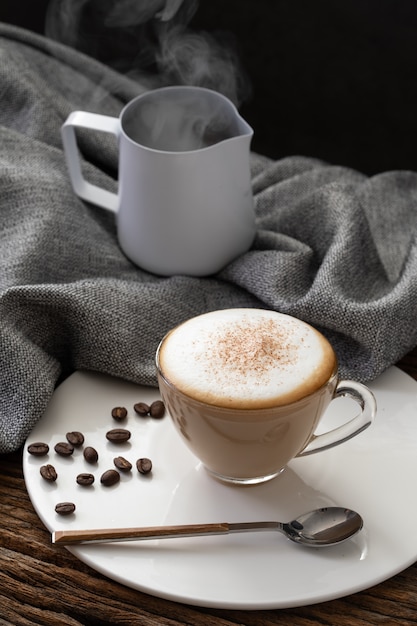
[{"x": 246, "y": 358}]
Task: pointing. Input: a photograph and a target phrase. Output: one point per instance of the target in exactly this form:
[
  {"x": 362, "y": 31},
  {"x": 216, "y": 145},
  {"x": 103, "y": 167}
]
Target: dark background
[{"x": 330, "y": 79}]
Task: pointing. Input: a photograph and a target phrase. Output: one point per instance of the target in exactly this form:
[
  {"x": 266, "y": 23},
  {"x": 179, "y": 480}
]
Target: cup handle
[
  {"x": 366, "y": 400},
  {"x": 84, "y": 189}
]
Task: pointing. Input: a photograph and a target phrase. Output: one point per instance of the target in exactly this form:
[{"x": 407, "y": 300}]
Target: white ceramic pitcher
[{"x": 184, "y": 203}]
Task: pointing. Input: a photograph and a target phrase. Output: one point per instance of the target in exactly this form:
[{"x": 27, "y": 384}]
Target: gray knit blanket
[{"x": 333, "y": 247}]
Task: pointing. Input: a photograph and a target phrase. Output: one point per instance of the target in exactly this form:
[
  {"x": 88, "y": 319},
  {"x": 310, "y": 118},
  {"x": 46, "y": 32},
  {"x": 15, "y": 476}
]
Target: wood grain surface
[{"x": 44, "y": 584}]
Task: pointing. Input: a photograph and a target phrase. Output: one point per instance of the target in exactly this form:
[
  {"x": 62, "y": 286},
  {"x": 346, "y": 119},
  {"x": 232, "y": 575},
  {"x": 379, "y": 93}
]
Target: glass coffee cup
[{"x": 247, "y": 388}]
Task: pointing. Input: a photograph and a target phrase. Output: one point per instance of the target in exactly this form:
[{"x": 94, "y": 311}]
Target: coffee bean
[
  {"x": 119, "y": 413},
  {"x": 48, "y": 472},
  {"x": 144, "y": 465},
  {"x": 118, "y": 435},
  {"x": 75, "y": 438},
  {"x": 157, "y": 409},
  {"x": 65, "y": 508},
  {"x": 141, "y": 408},
  {"x": 109, "y": 478},
  {"x": 38, "y": 449},
  {"x": 85, "y": 479},
  {"x": 64, "y": 448},
  {"x": 122, "y": 464},
  {"x": 90, "y": 455}
]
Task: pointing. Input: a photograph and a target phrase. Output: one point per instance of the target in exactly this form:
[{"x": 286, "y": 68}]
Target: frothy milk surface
[{"x": 246, "y": 358}]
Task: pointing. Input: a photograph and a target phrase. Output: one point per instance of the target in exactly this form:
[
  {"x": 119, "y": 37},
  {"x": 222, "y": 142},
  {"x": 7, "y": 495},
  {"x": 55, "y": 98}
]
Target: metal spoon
[{"x": 323, "y": 527}]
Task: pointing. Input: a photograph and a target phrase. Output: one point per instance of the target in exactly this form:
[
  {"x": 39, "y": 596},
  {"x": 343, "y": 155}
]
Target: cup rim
[{"x": 331, "y": 380}]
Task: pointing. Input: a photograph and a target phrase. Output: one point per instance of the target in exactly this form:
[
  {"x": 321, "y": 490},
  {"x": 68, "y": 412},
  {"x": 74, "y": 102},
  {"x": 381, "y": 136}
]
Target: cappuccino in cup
[{"x": 246, "y": 388}]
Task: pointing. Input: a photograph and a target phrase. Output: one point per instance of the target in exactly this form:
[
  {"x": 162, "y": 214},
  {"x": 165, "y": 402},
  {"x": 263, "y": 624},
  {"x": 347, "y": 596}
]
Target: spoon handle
[{"x": 68, "y": 537}]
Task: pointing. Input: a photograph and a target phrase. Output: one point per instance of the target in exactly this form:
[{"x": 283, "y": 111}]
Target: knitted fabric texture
[{"x": 333, "y": 247}]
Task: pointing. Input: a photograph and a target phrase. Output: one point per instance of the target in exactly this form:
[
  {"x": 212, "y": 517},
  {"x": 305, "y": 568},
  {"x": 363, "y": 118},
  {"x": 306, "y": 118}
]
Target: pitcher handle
[
  {"x": 366, "y": 400},
  {"x": 85, "y": 190}
]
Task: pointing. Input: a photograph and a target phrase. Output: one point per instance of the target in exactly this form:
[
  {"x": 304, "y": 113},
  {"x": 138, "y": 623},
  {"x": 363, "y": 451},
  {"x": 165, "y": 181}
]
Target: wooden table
[{"x": 42, "y": 584}]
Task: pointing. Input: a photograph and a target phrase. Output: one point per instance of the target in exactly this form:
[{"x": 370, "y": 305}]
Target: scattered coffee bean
[
  {"x": 118, "y": 435},
  {"x": 109, "y": 478},
  {"x": 85, "y": 479},
  {"x": 48, "y": 472},
  {"x": 75, "y": 438},
  {"x": 144, "y": 465},
  {"x": 122, "y": 464},
  {"x": 65, "y": 508},
  {"x": 141, "y": 408},
  {"x": 64, "y": 448},
  {"x": 157, "y": 409},
  {"x": 38, "y": 449},
  {"x": 119, "y": 413},
  {"x": 90, "y": 455}
]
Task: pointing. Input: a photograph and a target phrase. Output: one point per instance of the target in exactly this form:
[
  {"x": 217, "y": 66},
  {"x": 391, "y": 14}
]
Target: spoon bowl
[{"x": 322, "y": 527}]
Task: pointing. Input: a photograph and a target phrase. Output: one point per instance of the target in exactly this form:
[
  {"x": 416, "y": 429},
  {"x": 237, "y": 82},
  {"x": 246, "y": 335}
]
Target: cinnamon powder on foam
[{"x": 249, "y": 352}]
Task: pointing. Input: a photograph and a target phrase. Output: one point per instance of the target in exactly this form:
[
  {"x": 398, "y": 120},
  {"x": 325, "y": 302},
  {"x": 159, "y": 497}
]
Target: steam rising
[
  {"x": 125, "y": 12},
  {"x": 150, "y": 40},
  {"x": 193, "y": 59}
]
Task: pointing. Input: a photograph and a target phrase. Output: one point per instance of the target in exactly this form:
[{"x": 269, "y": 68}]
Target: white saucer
[{"x": 374, "y": 473}]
